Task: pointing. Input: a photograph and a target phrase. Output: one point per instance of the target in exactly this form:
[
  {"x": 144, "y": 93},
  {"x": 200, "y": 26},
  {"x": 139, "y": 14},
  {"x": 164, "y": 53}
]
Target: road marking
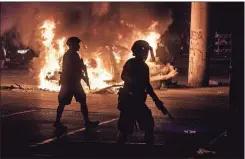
[
  {"x": 70, "y": 133},
  {"x": 215, "y": 139},
  {"x": 17, "y": 113},
  {"x": 127, "y": 143},
  {"x": 202, "y": 151},
  {"x": 42, "y": 155}
]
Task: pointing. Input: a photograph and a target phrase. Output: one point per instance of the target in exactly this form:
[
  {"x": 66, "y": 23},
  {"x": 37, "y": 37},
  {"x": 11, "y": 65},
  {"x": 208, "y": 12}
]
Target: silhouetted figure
[
  {"x": 2, "y": 54},
  {"x": 132, "y": 97},
  {"x": 164, "y": 57},
  {"x": 163, "y": 53},
  {"x": 70, "y": 80}
]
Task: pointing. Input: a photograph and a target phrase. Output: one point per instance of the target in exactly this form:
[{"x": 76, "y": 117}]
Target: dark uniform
[
  {"x": 135, "y": 109},
  {"x": 70, "y": 80},
  {"x": 132, "y": 97}
]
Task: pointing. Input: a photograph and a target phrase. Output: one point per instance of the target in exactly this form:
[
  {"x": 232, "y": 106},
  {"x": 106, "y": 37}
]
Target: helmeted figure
[
  {"x": 132, "y": 97},
  {"x": 70, "y": 81},
  {"x": 2, "y": 54}
]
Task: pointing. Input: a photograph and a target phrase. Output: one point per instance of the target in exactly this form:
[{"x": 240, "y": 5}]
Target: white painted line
[
  {"x": 202, "y": 150},
  {"x": 130, "y": 143},
  {"x": 17, "y": 113},
  {"x": 215, "y": 139},
  {"x": 70, "y": 133},
  {"x": 127, "y": 143},
  {"x": 42, "y": 155}
]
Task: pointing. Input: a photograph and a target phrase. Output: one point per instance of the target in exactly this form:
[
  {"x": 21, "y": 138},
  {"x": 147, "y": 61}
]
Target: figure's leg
[
  {"x": 80, "y": 97},
  {"x": 60, "y": 110},
  {"x": 84, "y": 111},
  {"x": 125, "y": 126},
  {"x": 147, "y": 123},
  {"x": 149, "y": 136},
  {"x": 64, "y": 98},
  {"x": 2, "y": 64},
  {"x": 122, "y": 137}
]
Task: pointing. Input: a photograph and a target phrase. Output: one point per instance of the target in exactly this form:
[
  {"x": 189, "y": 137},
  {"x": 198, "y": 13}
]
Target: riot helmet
[
  {"x": 141, "y": 49},
  {"x": 73, "y": 42}
]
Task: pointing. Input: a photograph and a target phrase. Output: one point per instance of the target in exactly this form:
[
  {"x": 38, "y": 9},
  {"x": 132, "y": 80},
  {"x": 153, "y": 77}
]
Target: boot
[
  {"x": 149, "y": 138},
  {"x": 59, "y": 125},
  {"x": 91, "y": 124},
  {"x": 121, "y": 138}
]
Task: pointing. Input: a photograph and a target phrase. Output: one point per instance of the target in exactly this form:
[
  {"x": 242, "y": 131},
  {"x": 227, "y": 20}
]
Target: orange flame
[
  {"x": 52, "y": 57},
  {"x": 98, "y": 75},
  {"x": 55, "y": 49}
]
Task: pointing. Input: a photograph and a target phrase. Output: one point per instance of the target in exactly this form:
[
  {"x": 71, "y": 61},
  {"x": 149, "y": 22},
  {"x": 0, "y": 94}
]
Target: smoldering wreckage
[{"x": 104, "y": 59}]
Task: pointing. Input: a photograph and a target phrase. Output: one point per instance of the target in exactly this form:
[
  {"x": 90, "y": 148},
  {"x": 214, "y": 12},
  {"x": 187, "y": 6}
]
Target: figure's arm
[
  {"x": 159, "y": 104},
  {"x": 81, "y": 64},
  {"x": 80, "y": 67},
  {"x": 149, "y": 88},
  {"x": 65, "y": 65},
  {"x": 126, "y": 75},
  {"x": 84, "y": 73},
  {"x": 151, "y": 92},
  {"x": 65, "y": 70},
  {"x": 152, "y": 54}
]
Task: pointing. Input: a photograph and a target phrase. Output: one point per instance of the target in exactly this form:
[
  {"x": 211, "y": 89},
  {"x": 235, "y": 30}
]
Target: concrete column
[{"x": 197, "y": 74}]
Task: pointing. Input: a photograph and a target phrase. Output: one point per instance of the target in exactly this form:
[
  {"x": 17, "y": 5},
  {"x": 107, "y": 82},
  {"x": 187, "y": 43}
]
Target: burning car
[
  {"x": 19, "y": 56},
  {"x": 104, "y": 64}
]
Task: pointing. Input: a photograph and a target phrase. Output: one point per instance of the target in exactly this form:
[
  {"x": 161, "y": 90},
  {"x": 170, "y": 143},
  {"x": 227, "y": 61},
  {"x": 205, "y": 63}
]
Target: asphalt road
[{"x": 27, "y": 118}]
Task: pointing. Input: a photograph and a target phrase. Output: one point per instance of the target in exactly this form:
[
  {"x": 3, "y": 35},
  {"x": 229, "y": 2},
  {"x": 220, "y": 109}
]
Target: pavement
[{"x": 200, "y": 118}]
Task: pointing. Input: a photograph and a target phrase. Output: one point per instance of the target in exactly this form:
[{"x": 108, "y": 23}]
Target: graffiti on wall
[
  {"x": 223, "y": 43},
  {"x": 196, "y": 46},
  {"x": 196, "y": 39}
]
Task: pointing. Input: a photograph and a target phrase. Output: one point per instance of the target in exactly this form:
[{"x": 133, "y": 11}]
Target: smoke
[
  {"x": 26, "y": 19},
  {"x": 142, "y": 15},
  {"x": 87, "y": 20},
  {"x": 98, "y": 23},
  {"x": 100, "y": 8}
]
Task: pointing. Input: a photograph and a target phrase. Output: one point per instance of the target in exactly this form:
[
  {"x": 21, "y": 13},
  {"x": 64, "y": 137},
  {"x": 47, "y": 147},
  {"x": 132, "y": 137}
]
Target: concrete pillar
[{"x": 197, "y": 74}]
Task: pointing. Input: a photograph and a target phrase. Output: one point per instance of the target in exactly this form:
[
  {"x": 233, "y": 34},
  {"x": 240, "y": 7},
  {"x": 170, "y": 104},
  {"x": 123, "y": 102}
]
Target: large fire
[
  {"x": 52, "y": 56},
  {"x": 99, "y": 74}
]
